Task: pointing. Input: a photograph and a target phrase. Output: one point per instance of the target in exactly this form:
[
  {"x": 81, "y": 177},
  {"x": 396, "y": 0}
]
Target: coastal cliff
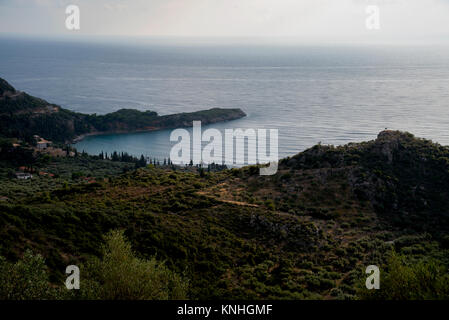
[{"x": 23, "y": 116}]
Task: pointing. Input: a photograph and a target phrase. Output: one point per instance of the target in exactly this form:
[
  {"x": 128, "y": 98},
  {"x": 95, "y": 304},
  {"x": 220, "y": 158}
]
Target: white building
[
  {"x": 23, "y": 175},
  {"x": 43, "y": 144}
]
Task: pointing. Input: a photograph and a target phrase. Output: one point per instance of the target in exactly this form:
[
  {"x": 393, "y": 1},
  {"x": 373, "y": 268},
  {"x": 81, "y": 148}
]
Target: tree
[
  {"x": 402, "y": 279},
  {"x": 115, "y": 156},
  {"x": 120, "y": 275},
  {"x": 26, "y": 279},
  {"x": 142, "y": 161}
]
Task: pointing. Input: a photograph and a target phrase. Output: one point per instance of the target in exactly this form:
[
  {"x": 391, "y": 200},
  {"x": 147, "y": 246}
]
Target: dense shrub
[
  {"x": 120, "y": 275},
  {"x": 403, "y": 279},
  {"x": 27, "y": 279}
]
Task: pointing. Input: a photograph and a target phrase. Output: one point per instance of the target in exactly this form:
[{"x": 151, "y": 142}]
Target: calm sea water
[{"x": 332, "y": 95}]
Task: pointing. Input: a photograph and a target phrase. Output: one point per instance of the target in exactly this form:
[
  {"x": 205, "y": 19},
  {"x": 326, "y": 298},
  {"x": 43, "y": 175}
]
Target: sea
[{"x": 328, "y": 94}]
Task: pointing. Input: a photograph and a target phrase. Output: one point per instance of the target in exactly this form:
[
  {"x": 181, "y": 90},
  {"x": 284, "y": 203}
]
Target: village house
[
  {"x": 43, "y": 144},
  {"x": 23, "y": 175}
]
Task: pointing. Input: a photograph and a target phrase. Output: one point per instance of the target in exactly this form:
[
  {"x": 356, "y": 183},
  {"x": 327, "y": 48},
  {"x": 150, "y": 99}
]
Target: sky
[{"x": 418, "y": 21}]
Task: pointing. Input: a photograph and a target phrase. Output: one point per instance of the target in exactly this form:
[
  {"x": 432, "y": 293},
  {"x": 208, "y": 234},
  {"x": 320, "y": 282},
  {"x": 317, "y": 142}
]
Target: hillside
[
  {"x": 307, "y": 232},
  {"x": 22, "y": 116}
]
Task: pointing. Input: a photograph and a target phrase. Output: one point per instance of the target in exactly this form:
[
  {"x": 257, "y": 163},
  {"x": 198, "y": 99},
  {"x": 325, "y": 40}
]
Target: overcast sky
[{"x": 326, "y": 20}]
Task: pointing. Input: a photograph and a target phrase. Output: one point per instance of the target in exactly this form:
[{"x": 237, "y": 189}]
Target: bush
[
  {"x": 402, "y": 280},
  {"x": 120, "y": 275},
  {"x": 26, "y": 279}
]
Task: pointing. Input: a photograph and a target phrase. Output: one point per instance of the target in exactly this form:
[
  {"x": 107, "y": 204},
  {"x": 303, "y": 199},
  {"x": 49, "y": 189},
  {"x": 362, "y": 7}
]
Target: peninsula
[{"x": 23, "y": 116}]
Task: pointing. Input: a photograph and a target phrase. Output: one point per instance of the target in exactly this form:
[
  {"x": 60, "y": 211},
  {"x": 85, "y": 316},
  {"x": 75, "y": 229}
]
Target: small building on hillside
[
  {"x": 43, "y": 144},
  {"x": 23, "y": 175}
]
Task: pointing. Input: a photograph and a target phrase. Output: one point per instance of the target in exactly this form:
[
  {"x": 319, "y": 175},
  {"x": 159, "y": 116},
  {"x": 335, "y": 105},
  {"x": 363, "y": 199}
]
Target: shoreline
[
  {"x": 101, "y": 133},
  {"x": 81, "y": 137}
]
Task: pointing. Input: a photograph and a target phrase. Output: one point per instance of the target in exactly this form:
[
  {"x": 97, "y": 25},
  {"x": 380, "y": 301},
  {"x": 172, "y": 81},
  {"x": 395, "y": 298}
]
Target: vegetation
[
  {"x": 307, "y": 232},
  {"x": 22, "y": 116},
  {"x": 120, "y": 275},
  {"x": 27, "y": 279},
  {"x": 117, "y": 275},
  {"x": 411, "y": 280}
]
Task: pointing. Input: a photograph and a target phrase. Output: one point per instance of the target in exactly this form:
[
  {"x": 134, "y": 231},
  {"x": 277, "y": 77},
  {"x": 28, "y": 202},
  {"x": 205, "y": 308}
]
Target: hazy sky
[{"x": 326, "y": 20}]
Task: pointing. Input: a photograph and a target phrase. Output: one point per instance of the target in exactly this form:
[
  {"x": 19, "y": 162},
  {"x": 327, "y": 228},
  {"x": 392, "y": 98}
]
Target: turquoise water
[{"x": 322, "y": 94}]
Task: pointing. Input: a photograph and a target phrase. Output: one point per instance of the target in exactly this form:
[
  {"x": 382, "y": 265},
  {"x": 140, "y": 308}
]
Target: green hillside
[{"x": 307, "y": 232}]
